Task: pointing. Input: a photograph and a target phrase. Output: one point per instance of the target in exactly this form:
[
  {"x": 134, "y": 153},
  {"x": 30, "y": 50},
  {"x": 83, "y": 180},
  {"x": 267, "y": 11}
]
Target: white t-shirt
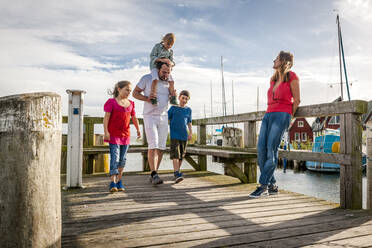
[{"x": 162, "y": 94}]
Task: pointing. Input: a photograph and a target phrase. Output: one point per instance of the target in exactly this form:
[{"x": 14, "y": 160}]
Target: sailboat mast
[
  {"x": 211, "y": 100},
  {"x": 343, "y": 57},
  {"x": 232, "y": 92},
  {"x": 223, "y": 90},
  {"x": 339, "y": 56}
]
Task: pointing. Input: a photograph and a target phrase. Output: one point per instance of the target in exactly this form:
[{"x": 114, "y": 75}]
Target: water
[{"x": 321, "y": 185}]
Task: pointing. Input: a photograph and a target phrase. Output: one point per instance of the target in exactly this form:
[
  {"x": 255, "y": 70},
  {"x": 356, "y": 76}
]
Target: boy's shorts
[{"x": 178, "y": 149}]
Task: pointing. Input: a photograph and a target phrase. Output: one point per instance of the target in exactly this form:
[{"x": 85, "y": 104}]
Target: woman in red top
[
  {"x": 118, "y": 111},
  {"x": 283, "y": 98}
]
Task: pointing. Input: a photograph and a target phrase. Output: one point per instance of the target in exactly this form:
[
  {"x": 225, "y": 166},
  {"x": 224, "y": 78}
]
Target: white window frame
[
  {"x": 304, "y": 136},
  {"x": 334, "y": 120},
  {"x": 297, "y": 137},
  {"x": 300, "y": 124}
]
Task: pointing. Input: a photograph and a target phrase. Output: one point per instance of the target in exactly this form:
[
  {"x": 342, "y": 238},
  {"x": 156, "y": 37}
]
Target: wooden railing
[{"x": 349, "y": 157}]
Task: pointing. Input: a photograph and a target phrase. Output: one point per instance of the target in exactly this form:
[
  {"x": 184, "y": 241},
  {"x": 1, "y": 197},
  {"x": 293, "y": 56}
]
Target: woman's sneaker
[
  {"x": 113, "y": 187},
  {"x": 273, "y": 189},
  {"x": 120, "y": 186},
  {"x": 260, "y": 191}
]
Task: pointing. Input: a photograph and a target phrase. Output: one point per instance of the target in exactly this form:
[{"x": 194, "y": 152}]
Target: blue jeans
[
  {"x": 272, "y": 129},
  {"x": 118, "y": 157}
]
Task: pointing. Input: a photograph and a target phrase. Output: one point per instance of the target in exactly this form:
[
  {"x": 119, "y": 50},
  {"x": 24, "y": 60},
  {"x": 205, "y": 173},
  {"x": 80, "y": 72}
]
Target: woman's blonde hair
[
  {"x": 287, "y": 61},
  {"x": 169, "y": 39},
  {"x": 118, "y": 85}
]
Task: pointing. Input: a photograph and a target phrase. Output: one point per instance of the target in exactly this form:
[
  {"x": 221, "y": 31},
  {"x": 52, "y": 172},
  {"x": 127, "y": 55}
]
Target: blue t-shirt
[{"x": 179, "y": 118}]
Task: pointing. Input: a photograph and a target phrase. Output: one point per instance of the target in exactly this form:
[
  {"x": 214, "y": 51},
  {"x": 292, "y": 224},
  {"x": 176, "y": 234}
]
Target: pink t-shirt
[{"x": 118, "y": 125}]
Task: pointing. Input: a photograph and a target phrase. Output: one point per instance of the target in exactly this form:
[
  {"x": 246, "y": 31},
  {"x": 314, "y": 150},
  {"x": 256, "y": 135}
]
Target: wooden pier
[{"x": 205, "y": 210}]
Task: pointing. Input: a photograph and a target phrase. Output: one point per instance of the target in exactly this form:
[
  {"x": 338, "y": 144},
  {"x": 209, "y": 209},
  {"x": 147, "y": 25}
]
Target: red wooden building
[{"x": 300, "y": 131}]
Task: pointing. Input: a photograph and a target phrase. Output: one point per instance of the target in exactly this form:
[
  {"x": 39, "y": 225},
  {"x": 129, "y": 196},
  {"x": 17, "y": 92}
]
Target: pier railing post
[
  {"x": 30, "y": 156},
  {"x": 145, "y": 160},
  {"x": 75, "y": 139},
  {"x": 369, "y": 164},
  {"x": 202, "y": 140},
  {"x": 250, "y": 141},
  {"x": 351, "y": 176}
]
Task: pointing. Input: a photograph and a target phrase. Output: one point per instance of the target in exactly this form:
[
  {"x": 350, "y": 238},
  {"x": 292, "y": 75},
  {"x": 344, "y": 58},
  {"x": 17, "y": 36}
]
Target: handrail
[{"x": 325, "y": 109}]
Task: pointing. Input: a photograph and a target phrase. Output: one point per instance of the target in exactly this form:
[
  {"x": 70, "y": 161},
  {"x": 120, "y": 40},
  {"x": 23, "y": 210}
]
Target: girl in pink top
[
  {"x": 118, "y": 112},
  {"x": 283, "y": 98}
]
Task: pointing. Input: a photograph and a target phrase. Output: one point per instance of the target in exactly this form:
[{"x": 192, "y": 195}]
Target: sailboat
[{"x": 329, "y": 141}]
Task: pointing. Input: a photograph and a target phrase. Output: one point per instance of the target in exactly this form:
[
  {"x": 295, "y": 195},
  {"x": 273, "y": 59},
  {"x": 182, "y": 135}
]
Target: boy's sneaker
[
  {"x": 260, "y": 191},
  {"x": 156, "y": 180},
  {"x": 120, "y": 186},
  {"x": 154, "y": 101},
  {"x": 178, "y": 177},
  {"x": 113, "y": 187},
  {"x": 273, "y": 189},
  {"x": 173, "y": 100}
]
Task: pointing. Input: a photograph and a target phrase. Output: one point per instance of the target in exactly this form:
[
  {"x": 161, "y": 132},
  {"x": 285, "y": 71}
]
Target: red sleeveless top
[{"x": 282, "y": 99}]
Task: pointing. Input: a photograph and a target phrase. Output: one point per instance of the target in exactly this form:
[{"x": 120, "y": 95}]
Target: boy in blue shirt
[{"x": 180, "y": 120}]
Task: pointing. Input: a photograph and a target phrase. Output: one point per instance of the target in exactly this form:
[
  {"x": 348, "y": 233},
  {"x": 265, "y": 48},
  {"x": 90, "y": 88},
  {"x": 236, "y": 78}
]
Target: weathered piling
[
  {"x": 30, "y": 150},
  {"x": 369, "y": 164}
]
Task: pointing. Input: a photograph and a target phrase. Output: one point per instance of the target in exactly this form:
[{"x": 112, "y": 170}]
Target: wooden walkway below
[{"x": 205, "y": 210}]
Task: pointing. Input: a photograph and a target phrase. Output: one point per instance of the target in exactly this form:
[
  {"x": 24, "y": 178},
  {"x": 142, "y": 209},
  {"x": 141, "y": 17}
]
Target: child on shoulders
[{"x": 162, "y": 52}]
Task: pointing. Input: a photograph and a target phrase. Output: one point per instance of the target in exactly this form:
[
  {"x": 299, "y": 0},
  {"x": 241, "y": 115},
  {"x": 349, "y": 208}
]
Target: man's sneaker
[
  {"x": 113, "y": 187},
  {"x": 178, "y": 177},
  {"x": 273, "y": 189},
  {"x": 260, "y": 191},
  {"x": 120, "y": 186},
  {"x": 173, "y": 100},
  {"x": 150, "y": 179},
  {"x": 154, "y": 101},
  {"x": 156, "y": 180}
]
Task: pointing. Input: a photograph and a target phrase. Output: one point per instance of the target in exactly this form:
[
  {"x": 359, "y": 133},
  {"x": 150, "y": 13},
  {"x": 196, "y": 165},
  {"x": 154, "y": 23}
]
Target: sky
[{"x": 90, "y": 45}]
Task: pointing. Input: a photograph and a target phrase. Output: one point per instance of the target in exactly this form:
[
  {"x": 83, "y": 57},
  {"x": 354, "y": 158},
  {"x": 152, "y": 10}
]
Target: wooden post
[
  {"x": 250, "y": 141},
  {"x": 145, "y": 160},
  {"x": 89, "y": 142},
  {"x": 102, "y": 164},
  {"x": 75, "y": 138},
  {"x": 351, "y": 176},
  {"x": 202, "y": 140},
  {"x": 369, "y": 164},
  {"x": 30, "y": 156}
]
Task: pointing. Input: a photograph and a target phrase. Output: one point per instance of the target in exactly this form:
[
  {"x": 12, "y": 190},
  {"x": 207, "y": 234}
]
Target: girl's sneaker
[
  {"x": 113, "y": 187},
  {"x": 120, "y": 186}
]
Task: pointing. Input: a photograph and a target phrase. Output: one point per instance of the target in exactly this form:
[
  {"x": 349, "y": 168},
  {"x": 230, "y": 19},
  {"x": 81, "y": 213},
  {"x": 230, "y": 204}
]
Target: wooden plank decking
[{"x": 205, "y": 210}]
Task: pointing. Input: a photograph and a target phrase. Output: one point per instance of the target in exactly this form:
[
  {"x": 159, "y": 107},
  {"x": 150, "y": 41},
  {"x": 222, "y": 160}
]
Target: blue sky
[{"x": 90, "y": 45}]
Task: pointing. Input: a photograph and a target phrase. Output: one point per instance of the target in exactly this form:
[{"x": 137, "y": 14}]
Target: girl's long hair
[
  {"x": 118, "y": 85},
  {"x": 287, "y": 61}
]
